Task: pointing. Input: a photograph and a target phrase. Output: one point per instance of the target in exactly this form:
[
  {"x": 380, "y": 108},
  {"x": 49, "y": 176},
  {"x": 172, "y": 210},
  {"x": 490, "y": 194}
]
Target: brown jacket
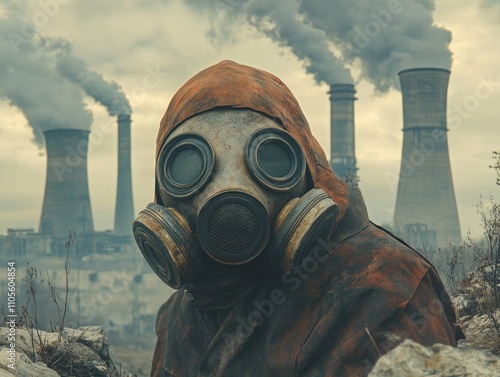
[{"x": 333, "y": 316}]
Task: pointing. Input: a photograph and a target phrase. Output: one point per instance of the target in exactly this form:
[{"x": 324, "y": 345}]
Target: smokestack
[
  {"x": 124, "y": 210},
  {"x": 343, "y": 159},
  {"x": 66, "y": 204},
  {"x": 426, "y": 198}
]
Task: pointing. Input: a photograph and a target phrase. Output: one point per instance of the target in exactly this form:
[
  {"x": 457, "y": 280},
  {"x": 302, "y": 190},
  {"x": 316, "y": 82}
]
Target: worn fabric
[{"x": 362, "y": 293}]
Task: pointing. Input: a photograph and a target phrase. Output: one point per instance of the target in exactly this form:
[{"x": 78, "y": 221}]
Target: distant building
[{"x": 20, "y": 242}]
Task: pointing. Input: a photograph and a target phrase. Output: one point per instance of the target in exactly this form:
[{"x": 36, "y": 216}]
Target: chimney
[
  {"x": 425, "y": 198},
  {"x": 342, "y": 160},
  {"x": 66, "y": 204},
  {"x": 124, "y": 210}
]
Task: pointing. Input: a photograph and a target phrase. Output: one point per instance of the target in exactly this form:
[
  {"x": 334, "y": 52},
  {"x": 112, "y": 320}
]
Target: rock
[
  {"x": 411, "y": 359},
  {"x": 75, "y": 352},
  {"x": 94, "y": 337},
  {"x": 24, "y": 367},
  {"x": 23, "y": 340},
  {"x": 81, "y": 360},
  {"x": 480, "y": 332}
]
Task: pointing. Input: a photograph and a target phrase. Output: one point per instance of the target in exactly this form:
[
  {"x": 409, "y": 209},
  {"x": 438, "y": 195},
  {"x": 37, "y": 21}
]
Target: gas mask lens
[
  {"x": 185, "y": 165},
  {"x": 275, "y": 159}
]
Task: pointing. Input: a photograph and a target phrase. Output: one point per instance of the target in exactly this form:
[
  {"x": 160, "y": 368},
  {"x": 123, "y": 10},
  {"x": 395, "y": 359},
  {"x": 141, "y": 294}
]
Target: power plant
[
  {"x": 66, "y": 203},
  {"x": 426, "y": 210},
  {"x": 342, "y": 146},
  {"x": 124, "y": 209}
]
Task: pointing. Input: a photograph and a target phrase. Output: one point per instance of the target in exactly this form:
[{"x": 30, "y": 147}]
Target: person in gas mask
[{"x": 279, "y": 271}]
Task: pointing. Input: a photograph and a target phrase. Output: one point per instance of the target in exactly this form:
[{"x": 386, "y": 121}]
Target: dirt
[{"x": 132, "y": 360}]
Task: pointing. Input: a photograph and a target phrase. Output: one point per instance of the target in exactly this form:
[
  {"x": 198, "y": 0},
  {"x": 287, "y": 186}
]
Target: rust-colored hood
[
  {"x": 328, "y": 317},
  {"x": 233, "y": 85}
]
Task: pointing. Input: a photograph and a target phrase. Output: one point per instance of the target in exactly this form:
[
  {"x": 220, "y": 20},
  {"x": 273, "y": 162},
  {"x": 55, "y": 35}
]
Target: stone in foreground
[{"x": 411, "y": 359}]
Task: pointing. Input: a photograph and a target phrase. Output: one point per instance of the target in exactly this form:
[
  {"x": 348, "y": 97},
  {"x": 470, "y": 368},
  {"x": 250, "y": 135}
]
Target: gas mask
[{"x": 232, "y": 185}]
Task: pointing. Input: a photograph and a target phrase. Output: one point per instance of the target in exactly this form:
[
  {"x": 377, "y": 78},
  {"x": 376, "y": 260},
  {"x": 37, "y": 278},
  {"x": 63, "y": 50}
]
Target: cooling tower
[
  {"x": 66, "y": 204},
  {"x": 426, "y": 199},
  {"x": 124, "y": 210},
  {"x": 343, "y": 160}
]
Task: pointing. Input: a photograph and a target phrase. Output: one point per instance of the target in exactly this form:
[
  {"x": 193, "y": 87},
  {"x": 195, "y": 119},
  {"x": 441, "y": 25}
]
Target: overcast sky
[{"x": 164, "y": 43}]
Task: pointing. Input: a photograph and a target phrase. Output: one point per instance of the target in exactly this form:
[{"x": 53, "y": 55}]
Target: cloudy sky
[{"x": 151, "y": 47}]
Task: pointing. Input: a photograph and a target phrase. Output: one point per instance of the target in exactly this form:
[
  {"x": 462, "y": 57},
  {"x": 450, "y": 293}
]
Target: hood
[{"x": 232, "y": 85}]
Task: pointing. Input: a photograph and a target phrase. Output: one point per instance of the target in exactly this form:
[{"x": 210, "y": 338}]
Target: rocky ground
[
  {"x": 86, "y": 352},
  {"x": 411, "y": 359},
  {"x": 476, "y": 355},
  {"x": 75, "y": 352},
  {"x": 481, "y": 333}
]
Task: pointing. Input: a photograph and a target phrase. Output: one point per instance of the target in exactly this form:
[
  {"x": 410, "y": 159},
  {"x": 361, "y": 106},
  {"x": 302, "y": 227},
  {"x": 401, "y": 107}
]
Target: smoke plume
[
  {"x": 109, "y": 94},
  {"x": 385, "y": 36},
  {"x": 29, "y": 81},
  {"x": 43, "y": 78},
  {"x": 382, "y": 36},
  {"x": 280, "y": 20}
]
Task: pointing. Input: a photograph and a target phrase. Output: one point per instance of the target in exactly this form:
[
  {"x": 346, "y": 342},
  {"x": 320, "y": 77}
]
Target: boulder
[
  {"x": 481, "y": 332},
  {"x": 75, "y": 352},
  {"x": 411, "y": 359},
  {"x": 24, "y": 367}
]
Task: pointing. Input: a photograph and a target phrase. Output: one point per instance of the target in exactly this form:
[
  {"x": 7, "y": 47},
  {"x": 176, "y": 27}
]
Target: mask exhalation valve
[{"x": 233, "y": 228}]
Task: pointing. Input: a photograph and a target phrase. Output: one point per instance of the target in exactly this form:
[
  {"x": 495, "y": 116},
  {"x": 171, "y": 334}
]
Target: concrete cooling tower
[
  {"x": 426, "y": 209},
  {"x": 66, "y": 204}
]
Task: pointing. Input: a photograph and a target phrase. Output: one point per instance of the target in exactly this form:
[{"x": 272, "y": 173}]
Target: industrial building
[
  {"x": 67, "y": 205},
  {"x": 425, "y": 213},
  {"x": 426, "y": 210}
]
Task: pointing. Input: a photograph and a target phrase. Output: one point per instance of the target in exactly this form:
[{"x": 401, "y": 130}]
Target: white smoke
[
  {"x": 29, "y": 81},
  {"x": 109, "y": 94},
  {"x": 280, "y": 20},
  {"x": 43, "y": 78},
  {"x": 385, "y": 36}
]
